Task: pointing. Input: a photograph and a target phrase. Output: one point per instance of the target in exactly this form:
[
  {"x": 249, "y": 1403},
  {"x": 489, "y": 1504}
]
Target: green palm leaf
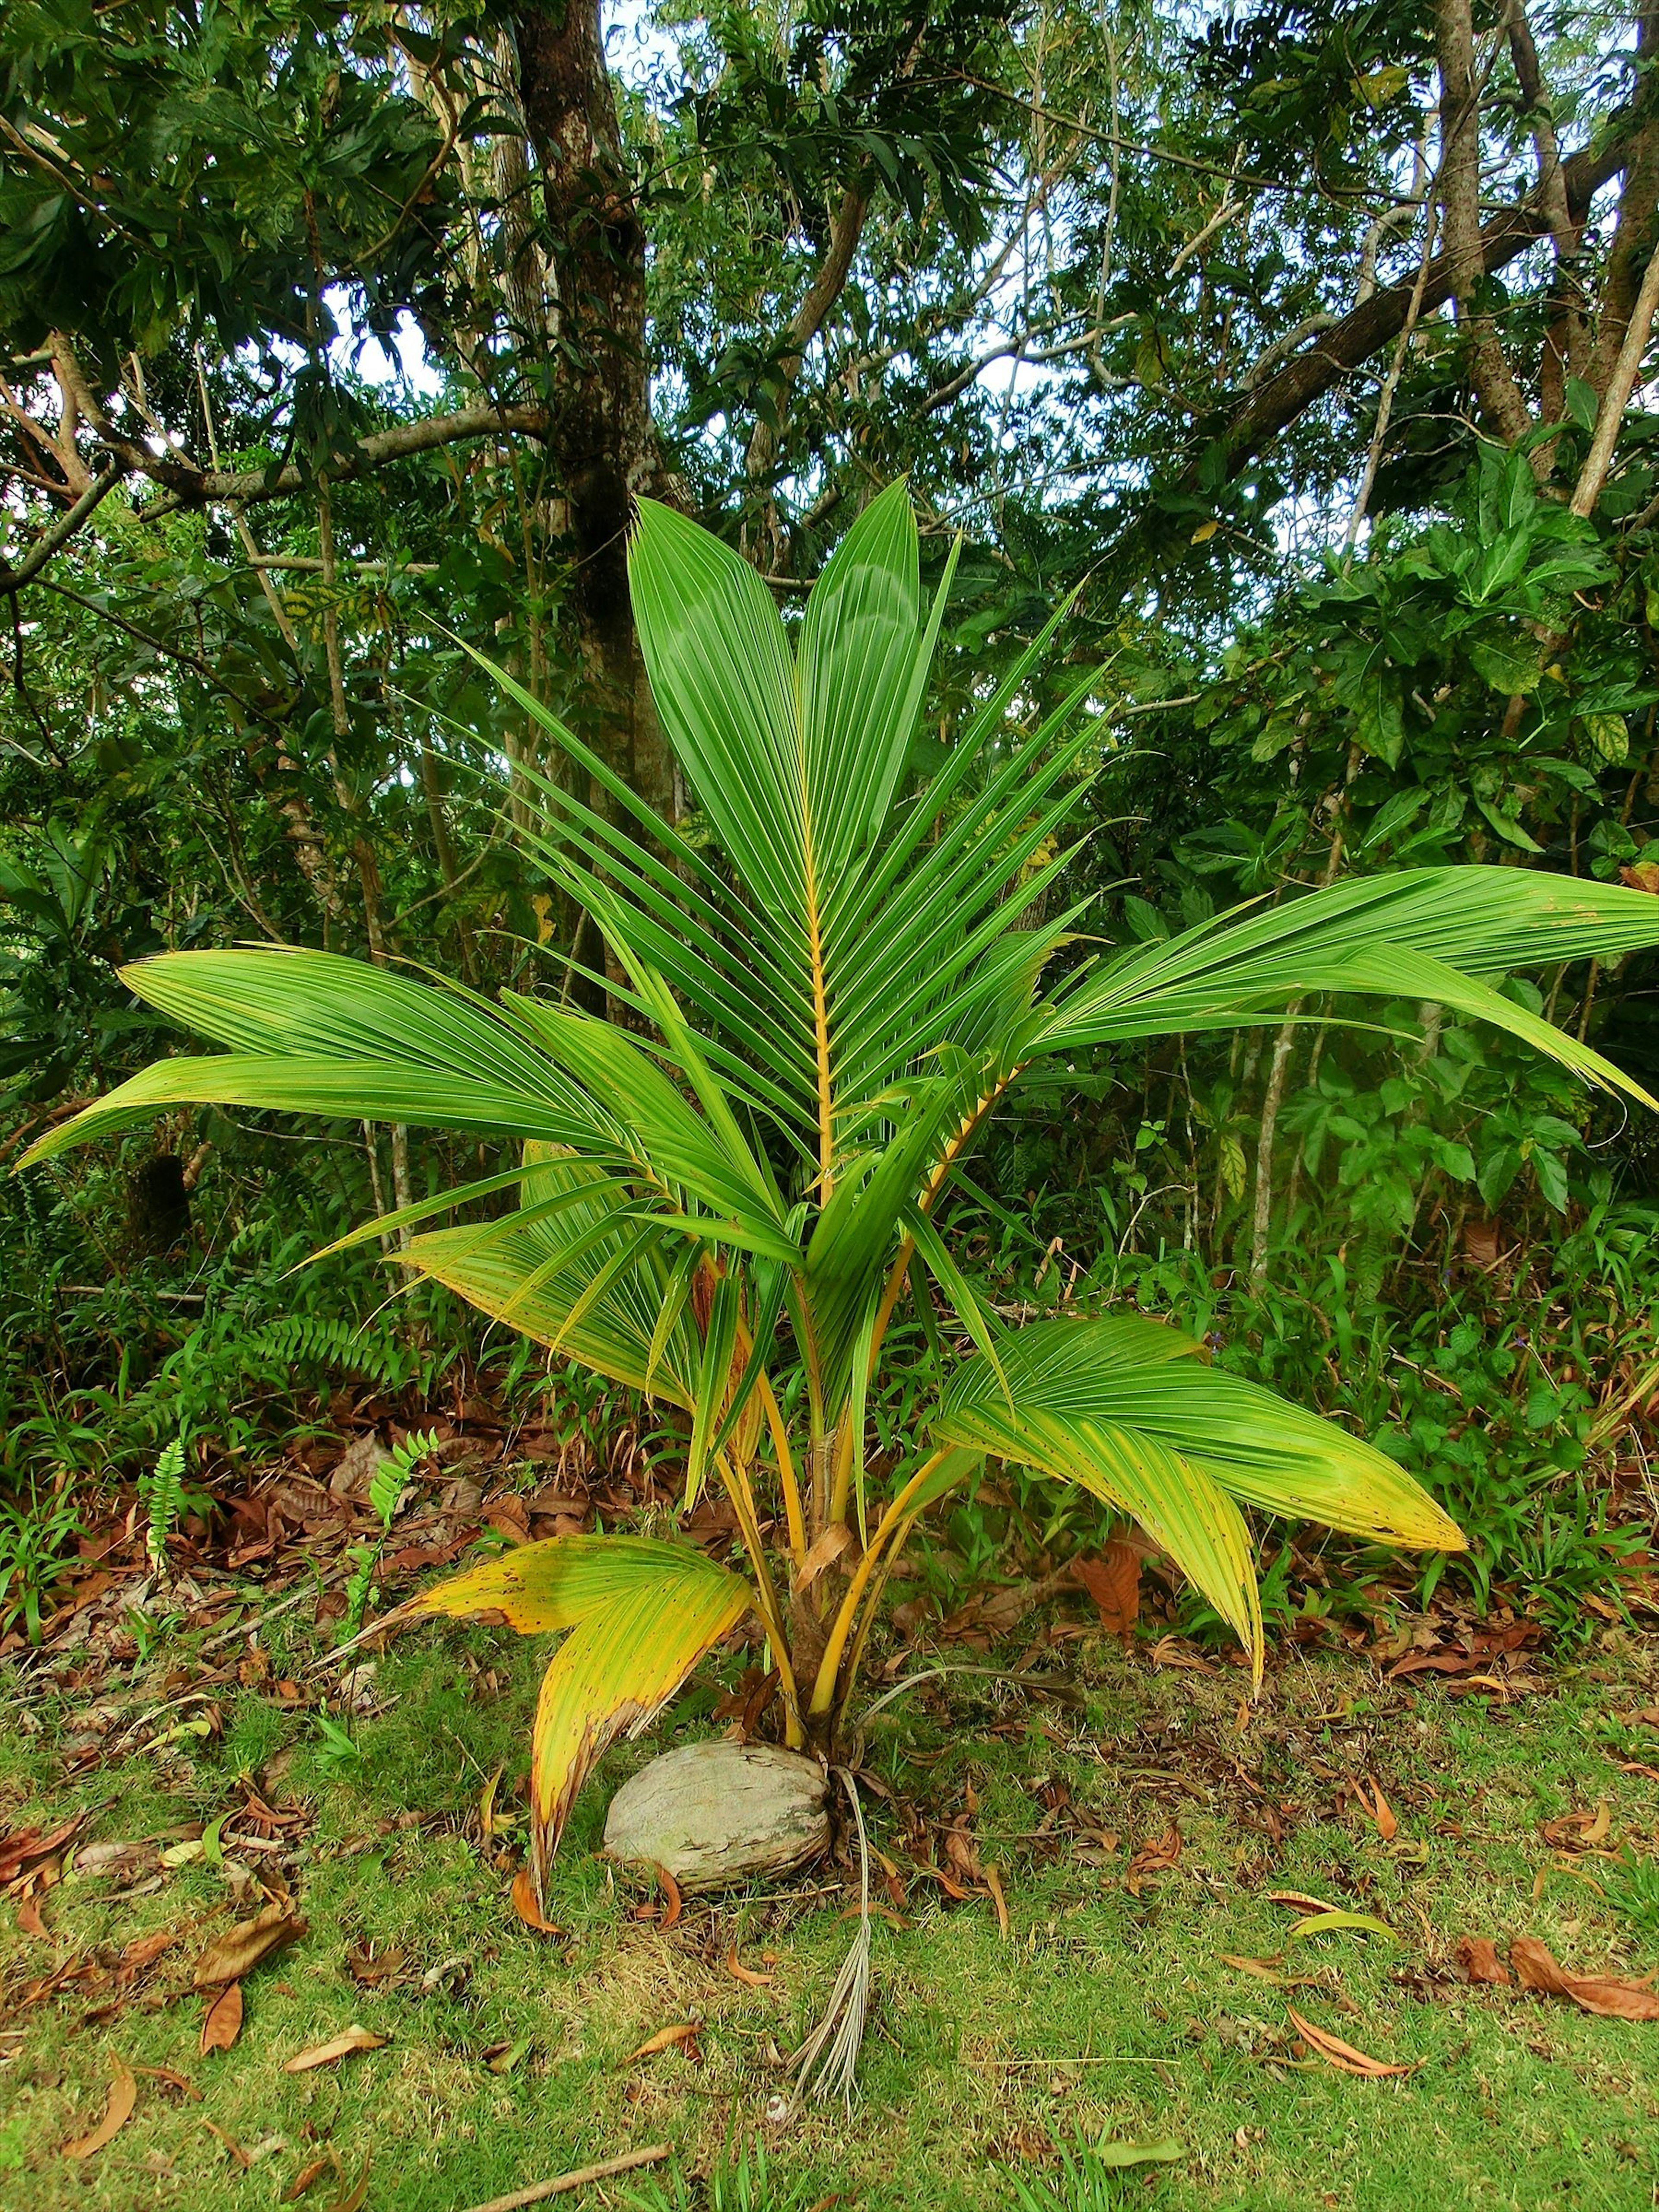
[
  {"x": 1182, "y": 1508},
  {"x": 1146, "y": 1375},
  {"x": 1413, "y": 935}
]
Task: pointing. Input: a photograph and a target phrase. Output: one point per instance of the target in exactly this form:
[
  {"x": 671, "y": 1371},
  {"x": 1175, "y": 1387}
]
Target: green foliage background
[{"x": 1079, "y": 247}]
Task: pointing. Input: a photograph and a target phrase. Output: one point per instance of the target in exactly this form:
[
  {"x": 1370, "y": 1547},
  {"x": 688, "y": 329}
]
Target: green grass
[{"x": 1102, "y": 2012}]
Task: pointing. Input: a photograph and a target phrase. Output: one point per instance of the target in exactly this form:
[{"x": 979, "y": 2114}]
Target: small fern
[
  {"x": 386, "y": 1487},
  {"x": 392, "y": 1475},
  {"x": 161, "y": 1492},
  {"x": 311, "y": 1341}
]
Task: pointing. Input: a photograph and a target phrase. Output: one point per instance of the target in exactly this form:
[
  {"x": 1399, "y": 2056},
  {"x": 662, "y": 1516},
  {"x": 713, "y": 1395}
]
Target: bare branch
[
  {"x": 1460, "y": 196},
  {"x": 828, "y": 284},
  {"x": 1365, "y": 330},
  {"x": 54, "y": 539},
  {"x": 1637, "y": 203},
  {"x": 188, "y": 484},
  {"x": 1616, "y": 399}
]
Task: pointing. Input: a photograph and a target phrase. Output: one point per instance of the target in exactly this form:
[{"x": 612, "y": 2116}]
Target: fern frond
[
  {"x": 392, "y": 1476},
  {"x": 311, "y": 1341},
  {"x": 161, "y": 1492}
]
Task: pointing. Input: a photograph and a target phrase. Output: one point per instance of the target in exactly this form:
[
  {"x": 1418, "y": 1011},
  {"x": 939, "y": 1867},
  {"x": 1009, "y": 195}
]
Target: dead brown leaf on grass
[
  {"x": 1298, "y": 1900},
  {"x": 1578, "y": 1831},
  {"x": 670, "y": 1916},
  {"x": 747, "y": 1974},
  {"x": 1343, "y": 2055},
  {"x": 1159, "y": 1856},
  {"x": 1612, "y": 1995},
  {"x": 222, "y": 2023},
  {"x": 985, "y": 1620},
  {"x": 26, "y": 1845},
  {"x": 665, "y": 2039},
  {"x": 525, "y": 1904},
  {"x": 1380, "y": 1811},
  {"x": 1264, "y": 1970},
  {"x": 349, "y": 2041},
  {"x": 170, "y": 2078},
  {"x": 236, "y": 1954},
  {"x": 1479, "y": 1963},
  {"x": 243, "y": 2158},
  {"x": 307, "y": 2178},
  {"x": 123, "y": 2096},
  {"x": 994, "y": 1883},
  {"x": 370, "y": 1968}
]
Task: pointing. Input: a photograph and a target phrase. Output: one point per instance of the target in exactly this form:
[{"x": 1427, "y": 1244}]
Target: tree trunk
[{"x": 600, "y": 439}]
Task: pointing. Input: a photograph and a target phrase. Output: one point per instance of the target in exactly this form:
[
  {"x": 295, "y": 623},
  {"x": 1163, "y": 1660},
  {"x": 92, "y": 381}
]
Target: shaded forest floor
[{"x": 1090, "y": 1899}]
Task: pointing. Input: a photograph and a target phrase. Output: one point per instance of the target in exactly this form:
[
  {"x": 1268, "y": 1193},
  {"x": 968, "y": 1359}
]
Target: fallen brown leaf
[
  {"x": 370, "y": 1968},
  {"x": 742, "y": 1973},
  {"x": 502, "y": 2057},
  {"x": 241, "y": 2157},
  {"x": 1478, "y": 1962},
  {"x": 237, "y": 1953},
  {"x": 1578, "y": 1831},
  {"x": 23, "y": 1844},
  {"x": 144, "y": 1950},
  {"x": 525, "y": 1904},
  {"x": 994, "y": 1883},
  {"x": 1156, "y": 1857},
  {"x": 686, "y": 2031},
  {"x": 123, "y": 2096},
  {"x": 1382, "y": 1813},
  {"x": 1506, "y": 1690},
  {"x": 306, "y": 2178},
  {"x": 1113, "y": 1581},
  {"x": 350, "y": 2040},
  {"x": 1265, "y": 1970},
  {"x": 1297, "y": 1901},
  {"x": 672, "y": 1917},
  {"x": 30, "y": 1920},
  {"x": 1612, "y": 1995},
  {"x": 877, "y": 1912},
  {"x": 172, "y": 2079},
  {"x": 354, "y": 2199},
  {"x": 1343, "y": 2055},
  {"x": 222, "y": 2023}
]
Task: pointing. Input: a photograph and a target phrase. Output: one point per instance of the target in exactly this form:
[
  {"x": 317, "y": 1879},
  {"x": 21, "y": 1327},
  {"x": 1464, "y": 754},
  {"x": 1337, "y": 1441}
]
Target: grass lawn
[{"x": 1134, "y": 1838}]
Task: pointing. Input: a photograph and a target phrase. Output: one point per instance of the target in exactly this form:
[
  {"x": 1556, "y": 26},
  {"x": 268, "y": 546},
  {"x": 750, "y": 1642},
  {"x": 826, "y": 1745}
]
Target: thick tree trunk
[{"x": 600, "y": 438}]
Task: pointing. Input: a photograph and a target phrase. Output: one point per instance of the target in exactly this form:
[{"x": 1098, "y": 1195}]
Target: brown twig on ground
[{"x": 539, "y": 2191}]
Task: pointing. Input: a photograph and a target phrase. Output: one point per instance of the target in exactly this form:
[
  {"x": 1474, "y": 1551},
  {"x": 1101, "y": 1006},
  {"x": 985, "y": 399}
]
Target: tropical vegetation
[{"x": 729, "y": 1185}]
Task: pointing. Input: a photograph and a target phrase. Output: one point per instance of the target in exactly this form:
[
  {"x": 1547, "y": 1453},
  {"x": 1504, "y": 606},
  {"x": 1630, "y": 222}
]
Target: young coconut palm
[{"x": 725, "y": 1206}]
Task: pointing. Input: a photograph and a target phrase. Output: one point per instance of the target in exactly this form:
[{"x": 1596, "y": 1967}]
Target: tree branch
[
  {"x": 1637, "y": 203},
  {"x": 528, "y": 418},
  {"x": 826, "y": 288},
  {"x": 1460, "y": 198},
  {"x": 1616, "y": 398},
  {"x": 54, "y": 539},
  {"x": 187, "y": 484},
  {"x": 1366, "y": 329}
]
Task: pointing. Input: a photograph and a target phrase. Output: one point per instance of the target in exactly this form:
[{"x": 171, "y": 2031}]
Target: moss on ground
[{"x": 1113, "y": 2003}]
